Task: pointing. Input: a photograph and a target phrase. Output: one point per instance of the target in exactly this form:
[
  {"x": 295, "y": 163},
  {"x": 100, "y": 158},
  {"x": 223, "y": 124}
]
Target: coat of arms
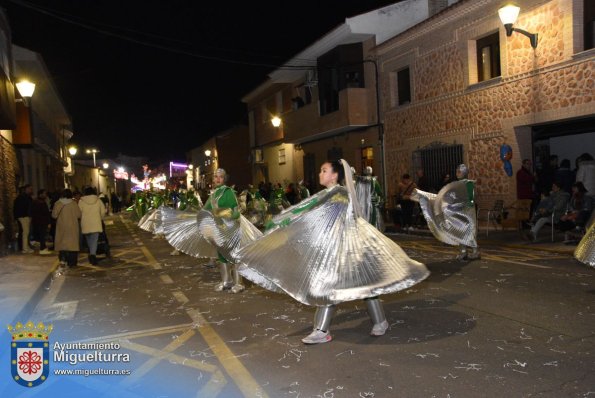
[{"x": 30, "y": 353}]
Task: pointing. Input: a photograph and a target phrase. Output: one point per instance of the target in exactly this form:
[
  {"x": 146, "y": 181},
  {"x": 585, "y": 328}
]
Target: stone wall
[
  {"x": 536, "y": 86},
  {"x": 8, "y": 192}
]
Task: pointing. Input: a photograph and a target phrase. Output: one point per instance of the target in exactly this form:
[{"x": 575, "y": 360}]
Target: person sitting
[
  {"x": 554, "y": 204},
  {"x": 579, "y": 210}
]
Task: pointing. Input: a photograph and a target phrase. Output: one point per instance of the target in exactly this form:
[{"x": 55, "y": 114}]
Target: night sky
[{"x": 157, "y": 78}]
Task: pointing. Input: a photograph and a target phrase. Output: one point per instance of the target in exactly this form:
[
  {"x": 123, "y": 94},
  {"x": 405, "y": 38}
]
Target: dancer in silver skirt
[
  {"x": 585, "y": 250},
  {"x": 451, "y": 216},
  {"x": 323, "y": 252}
]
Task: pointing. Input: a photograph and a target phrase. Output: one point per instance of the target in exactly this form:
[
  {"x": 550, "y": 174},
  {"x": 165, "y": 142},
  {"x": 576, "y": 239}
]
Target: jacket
[
  {"x": 92, "y": 213},
  {"x": 68, "y": 214}
]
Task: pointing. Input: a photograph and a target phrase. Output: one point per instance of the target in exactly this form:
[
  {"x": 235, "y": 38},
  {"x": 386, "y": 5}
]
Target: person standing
[
  {"x": 370, "y": 197},
  {"x": 525, "y": 183},
  {"x": 41, "y": 220},
  {"x": 67, "y": 214},
  {"x": 22, "y": 213},
  {"x": 451, "y": 215},
  {"x": 322, "y": 252},
  {"x": 92, "y": 213},
  {"x": 406, "y": 188}
]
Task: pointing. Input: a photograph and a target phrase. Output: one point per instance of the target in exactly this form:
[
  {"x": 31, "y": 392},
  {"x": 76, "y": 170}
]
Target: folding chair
[{"x": 496, "y": 211}]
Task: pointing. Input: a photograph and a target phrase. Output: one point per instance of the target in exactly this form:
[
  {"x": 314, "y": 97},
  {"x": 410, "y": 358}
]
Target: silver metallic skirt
[
  {"x": 148, "y": 221},
  {"x": 181, "y": 231},
  {"x": 585, "y": 251},
  {"x": 227, "y": 234},
  {"x": 327, "y": 255},
  {"x": 448, "y": 214}
]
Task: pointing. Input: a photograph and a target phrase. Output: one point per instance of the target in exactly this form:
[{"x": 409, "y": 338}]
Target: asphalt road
[{"x": 518, "y": 323}]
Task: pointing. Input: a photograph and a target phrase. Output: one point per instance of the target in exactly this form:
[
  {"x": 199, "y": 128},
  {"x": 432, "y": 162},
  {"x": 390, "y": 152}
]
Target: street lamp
[
  {"x": 72, "y": 150},
  {"x": 105, "y": 165},
  {"x": 508, "y": 15},
  {"x": 26, "y": 88},
  {"x": 93, "y": 151},
  {"x": 276, "y": 121}
]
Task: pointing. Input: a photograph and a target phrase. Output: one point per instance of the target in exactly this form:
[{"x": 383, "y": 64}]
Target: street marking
[
  {"x": 150, "y": 257},
  {"x": 158, "y": 357},
  {"x": 180, "y": 297},
  {"x": 166, "y": 279},
  {"x": 238, "y": 372},
  {"x": 137, "y": 334}
]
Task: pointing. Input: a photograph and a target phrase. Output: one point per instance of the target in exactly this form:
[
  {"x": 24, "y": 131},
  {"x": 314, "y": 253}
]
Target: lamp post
[{"x": 72, "y": 150}]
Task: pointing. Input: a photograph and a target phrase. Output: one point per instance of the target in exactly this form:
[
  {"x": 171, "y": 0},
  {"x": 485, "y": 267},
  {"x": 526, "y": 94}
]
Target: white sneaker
[
  {"x": 379, "y": 329},
  {"x": 237, "y": 288},
  {"x": 221, "y": 286},
  {"x": 317, "y": 337},
  {"x": 45, "y": 251}
]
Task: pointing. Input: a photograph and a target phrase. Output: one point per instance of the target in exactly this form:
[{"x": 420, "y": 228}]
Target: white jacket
[
  {"x": 586, "y": 175},
  {"x": 93, "y": 210}
]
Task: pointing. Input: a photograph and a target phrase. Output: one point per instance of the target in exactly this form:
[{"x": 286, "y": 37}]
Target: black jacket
[{"x": 22, "y": 206}]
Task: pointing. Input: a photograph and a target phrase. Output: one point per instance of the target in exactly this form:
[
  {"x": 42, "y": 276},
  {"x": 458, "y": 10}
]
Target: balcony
[{"x": 356, "y": 109}]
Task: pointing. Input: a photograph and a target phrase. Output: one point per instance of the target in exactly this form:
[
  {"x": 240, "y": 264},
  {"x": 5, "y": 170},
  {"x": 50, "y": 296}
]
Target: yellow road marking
[
  {"x": 150, "y": 257},
  {"x": 157, "y": 357},
  {"x": 238, "y": 372}
]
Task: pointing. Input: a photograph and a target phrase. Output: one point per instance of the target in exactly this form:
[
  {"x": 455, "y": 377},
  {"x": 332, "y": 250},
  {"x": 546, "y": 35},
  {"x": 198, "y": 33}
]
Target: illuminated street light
[
  {"x": 508, "y": 15},
  {"x": 26, "y": 88},
  {"x": 72, "y": 150},
  {"x": 93, "y": 151},
  {"x": 276, "y": 121},
  {"x": 207, "y": 152},
  {"x": 105, "y": 165}
]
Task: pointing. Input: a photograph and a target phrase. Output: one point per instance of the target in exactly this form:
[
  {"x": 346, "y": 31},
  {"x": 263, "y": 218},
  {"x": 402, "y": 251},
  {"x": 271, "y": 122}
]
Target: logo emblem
[{"x": 30, "y": 353}]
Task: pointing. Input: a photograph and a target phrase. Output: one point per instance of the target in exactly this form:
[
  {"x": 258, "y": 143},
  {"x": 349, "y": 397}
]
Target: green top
[
  {"x": 223, "y": 197},
  {"x": 286, "y": 218},
  {"x": 470, "y": 191}
]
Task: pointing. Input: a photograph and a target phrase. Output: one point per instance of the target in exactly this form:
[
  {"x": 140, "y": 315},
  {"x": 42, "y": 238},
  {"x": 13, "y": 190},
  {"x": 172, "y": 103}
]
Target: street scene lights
[
  {"x": 105, "y": 165},
  {"x": 72, "y": 150},
  {"x": 508, "y": 15},
  {"x": 276, "y": 121},
  {"x": 93, "y": 151}
]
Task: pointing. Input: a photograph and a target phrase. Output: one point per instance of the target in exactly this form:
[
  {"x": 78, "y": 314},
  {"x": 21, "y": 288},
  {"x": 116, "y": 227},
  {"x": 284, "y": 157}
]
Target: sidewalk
[{"x": 23, "y": 278}]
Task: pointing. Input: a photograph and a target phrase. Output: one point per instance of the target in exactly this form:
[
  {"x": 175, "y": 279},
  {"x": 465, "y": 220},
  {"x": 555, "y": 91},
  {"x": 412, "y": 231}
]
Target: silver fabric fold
[
  {"x": 147, "y": 222},
  {"x": 585, "y": 250},
  {"x": 227, "y": 234},
  {"x": 369, "y": 201},
  {"x": 181, "y": 231},
  {"x": 449, "y": 214},
  {"x": 327, "y": 255}
]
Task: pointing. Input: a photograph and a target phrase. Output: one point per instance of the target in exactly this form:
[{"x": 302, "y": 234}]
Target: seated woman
[
  {"x": 554, "y": 204},
  {"x": 579, "y": 209}
]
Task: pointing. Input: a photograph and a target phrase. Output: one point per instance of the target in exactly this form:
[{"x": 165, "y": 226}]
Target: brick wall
[{"x": 8, "y": 192}]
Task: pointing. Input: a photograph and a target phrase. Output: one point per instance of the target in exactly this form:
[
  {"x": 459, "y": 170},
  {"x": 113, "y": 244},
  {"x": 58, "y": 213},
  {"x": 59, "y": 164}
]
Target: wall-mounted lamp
[
  {"x": 276, "y": 121},
  {"x": 508, "y": 15},
  {"x": 26, "y": 88},
  {"x": 207, "y": 152},
  {"x": 72, "y": 150},
  {"x": 105, "y": 165}
]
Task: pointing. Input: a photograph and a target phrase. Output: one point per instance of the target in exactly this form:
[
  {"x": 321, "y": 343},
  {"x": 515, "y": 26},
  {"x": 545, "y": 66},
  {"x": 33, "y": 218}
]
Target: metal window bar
[{"x": 437, "y": 159}]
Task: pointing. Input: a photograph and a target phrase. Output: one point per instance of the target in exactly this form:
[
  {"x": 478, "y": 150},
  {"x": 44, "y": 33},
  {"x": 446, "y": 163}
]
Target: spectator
[
  {"x": 586, "y": 173},
  {"x": 564, "y": 176},
  {"x": 554, "y": 204},
  {"x": 579, "y": 210},
  {"x": 525, "y": 183},
  {"x": 291, "y": 194},
  {"x": 446, "y": 179},
  {"x": 41, "y": 220},
  {"x": 92, "y": 213},
  {"x": 303, "y": 190},
  {"x": 422, "y": 181},
  {"x": 115, "y": 203},
  {"x": 405, "y": 189},
  {"x": 545, "y": 176},
  {"x": 22, "y": 213},
  {"x": 67, "y": 214}
]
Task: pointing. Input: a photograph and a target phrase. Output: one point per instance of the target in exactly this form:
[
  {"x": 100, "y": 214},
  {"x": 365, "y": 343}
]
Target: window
[
  {"x": 589, "y": 13},
  {"x": 403, "y": 87},
  {"x": 488, "y": 57},
  {"x": 282, "y": 156}
]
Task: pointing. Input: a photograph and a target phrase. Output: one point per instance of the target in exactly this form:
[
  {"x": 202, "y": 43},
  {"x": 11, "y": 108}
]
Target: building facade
[{"x": 456, "y": 88}]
